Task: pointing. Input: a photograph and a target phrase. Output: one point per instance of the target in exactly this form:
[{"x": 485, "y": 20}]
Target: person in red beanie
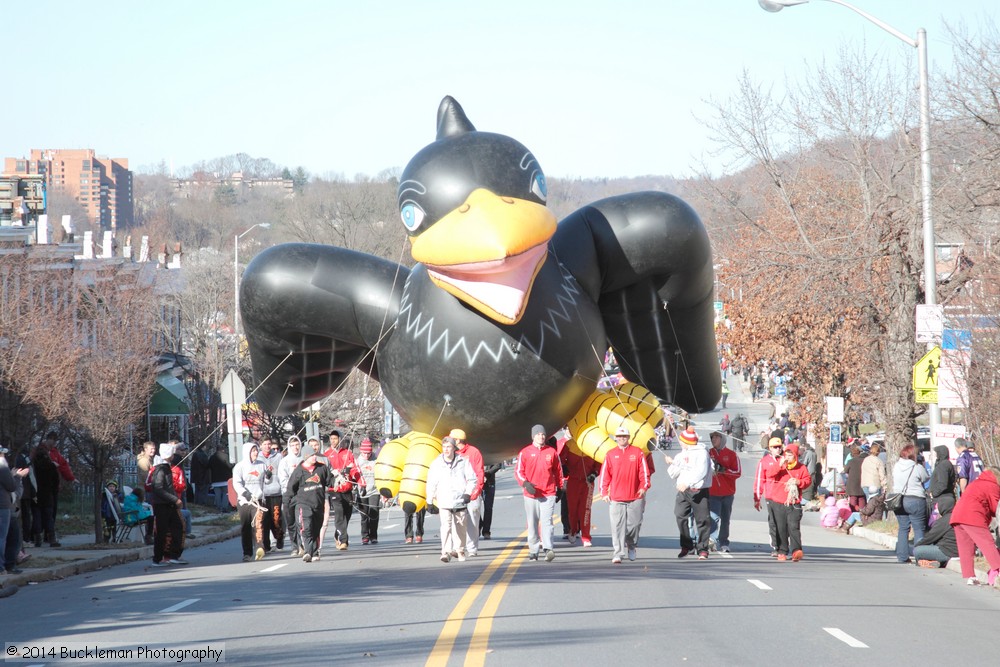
[
  {"x": 369, "y": 499},
  {"x": 692, "y": 470},
  {"x": 785, "y": 483},
  {"x": 971, "y": 518}
]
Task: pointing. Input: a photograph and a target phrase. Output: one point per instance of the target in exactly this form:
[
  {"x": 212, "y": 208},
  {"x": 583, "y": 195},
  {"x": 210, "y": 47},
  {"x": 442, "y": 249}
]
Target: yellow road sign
[{"x": 925, "y": 373}]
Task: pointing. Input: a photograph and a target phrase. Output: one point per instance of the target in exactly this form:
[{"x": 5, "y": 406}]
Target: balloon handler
[{"x": 503, "y": 321}]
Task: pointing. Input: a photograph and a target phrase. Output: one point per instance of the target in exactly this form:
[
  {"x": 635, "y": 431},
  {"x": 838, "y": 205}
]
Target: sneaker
[
  {"x": 631, "y": 553},
  {"x": 712, "y": 546},
  {"x": 268, "y": 550},
  {"x": 409, "y": 540},
  {"x": 419, "y": 539},
  {"x": 532, "y": 556},
  {"x": 724, "y": 549},
  {"x": 341, "y": 546},
  {"x": 246, "y": 559},
  {"x": 259, "y": 554},
  {"x": 929, "y": 564},
  {"x": 774, "y": 553},
  {"x": 445, "y": 558},
  {"x": 567, "y": 536},
  {"x": 178, "y": 561},
  {"x": 550, "y": 555},
  {"x": 55, "y": 544},
  {"x": 454, "y": 554},
  {"x": 684, "y": 552},
  {"x": 461, "y": 558},
  {"x": 587, "y": 543},
  {"x": 316, "y": 556},
  {"x": 702, "y": 555},
  {"x": 781, "y": 558},
  {"x": 471, "y": 553},
  {"x": 572, "y": 539},
  {"x": 307, "y": 558},
  {"x": 21, "y": 557},
  {"x": 280, "y": 547},
  {"x": 486, "y": 536},
  {"x": 972, "y": 581},
  {"x": 161, "y": 563},
  {"x": 991, "y": 577},
  {"x": 374, "y": 541},
  {"x": 365, "y": 540},
  {"x": 617, "y": 560}
]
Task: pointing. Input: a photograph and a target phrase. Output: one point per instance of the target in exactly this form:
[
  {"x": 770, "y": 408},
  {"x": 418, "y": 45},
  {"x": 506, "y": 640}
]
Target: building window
[
  {"x": 86, "y": 165},
  {"x": 21, "y": 166}
]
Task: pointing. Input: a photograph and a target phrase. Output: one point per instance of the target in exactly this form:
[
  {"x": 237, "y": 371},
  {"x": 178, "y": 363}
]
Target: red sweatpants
[
  {"x": 968, "y": 538},
  {"x": 579, "y": 498}
]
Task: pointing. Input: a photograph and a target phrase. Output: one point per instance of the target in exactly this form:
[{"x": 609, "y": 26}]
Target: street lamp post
[
  {"x": 920, "y": 44},
  {"x": 236, "y": 274}
]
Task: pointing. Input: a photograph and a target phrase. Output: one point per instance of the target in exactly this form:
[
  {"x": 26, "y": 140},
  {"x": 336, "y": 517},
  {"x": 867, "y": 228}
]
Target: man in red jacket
[
  {"x": 344, "y": 474},
  {"x": 785, "y": 480},
  {"x": 727, "y": 469},
  {"x": 540, "y": 475},
  {"x": 775, "y": 451},
  {"x": 581, "y": 471},
  {"x": 624, "y": 482},
  {"x": 475, "y": 508}
]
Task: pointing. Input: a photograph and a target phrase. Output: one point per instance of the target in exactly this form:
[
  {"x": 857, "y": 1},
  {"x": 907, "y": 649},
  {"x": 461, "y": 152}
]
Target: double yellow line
[{"x": 476, "y": 655}]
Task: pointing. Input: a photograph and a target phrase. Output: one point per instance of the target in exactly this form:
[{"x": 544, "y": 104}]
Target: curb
[
  {"x": 889, "y": 542},
  {"x": 13, "y": 582}
]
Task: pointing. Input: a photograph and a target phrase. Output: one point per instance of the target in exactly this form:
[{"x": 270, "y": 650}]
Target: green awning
[{"x": 169, "y": 399}]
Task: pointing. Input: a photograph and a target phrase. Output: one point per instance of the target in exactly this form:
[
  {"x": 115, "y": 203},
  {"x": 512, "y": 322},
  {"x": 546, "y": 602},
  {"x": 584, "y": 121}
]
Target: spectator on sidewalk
[
  {"x": 968, "y": 462},
  {"x": 168, "y": 525},
  {"x": 222, "y": 472},
  {"x": 47, "y": 476},
  {"x": 938, "y": 545},
  {"x": 971, "y": 518},
  {"x": 908, "y": 478},
  {"x": 10, "y": 522},
  {"x": 873, "y": 477},
  {"x": 944, "y": 479}
]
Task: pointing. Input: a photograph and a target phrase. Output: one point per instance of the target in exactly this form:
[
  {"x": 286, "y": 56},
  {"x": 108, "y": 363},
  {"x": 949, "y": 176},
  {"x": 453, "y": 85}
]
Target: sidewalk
[{"x": 79, "y": 554}]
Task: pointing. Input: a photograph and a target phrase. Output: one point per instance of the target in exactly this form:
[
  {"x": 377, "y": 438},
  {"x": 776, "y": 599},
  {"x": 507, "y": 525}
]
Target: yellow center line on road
[
  {"x": 453, "y": 624},
  {"x": 476, "y": 655}
]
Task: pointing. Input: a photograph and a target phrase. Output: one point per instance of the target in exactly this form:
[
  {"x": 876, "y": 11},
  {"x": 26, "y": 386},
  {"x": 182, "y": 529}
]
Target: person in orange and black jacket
[
  {"x": 786, "y": 480},
  {"x": 168, "y": 525}
]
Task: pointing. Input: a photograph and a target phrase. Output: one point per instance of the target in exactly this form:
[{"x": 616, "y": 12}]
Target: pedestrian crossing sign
[{"x": 925, "y": 376}]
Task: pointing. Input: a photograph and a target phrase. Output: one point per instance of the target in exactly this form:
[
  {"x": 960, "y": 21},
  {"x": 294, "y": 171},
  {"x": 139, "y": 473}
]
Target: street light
[
  {"x": 236, "y": 274},
  {"x": 920, "y": 44}
]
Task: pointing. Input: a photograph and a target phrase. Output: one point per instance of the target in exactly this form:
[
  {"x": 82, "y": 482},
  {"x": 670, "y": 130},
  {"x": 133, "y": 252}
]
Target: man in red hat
[
  {"x": 692, "y": 471},
  {"x": 368, "y": 496}
]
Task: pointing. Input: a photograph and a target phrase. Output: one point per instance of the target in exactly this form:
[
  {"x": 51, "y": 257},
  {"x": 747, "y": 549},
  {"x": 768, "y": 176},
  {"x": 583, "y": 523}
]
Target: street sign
[
  {"x": 925, "y": 376},
  {"x": 717, "y": 305},
  {"x": 234, "y": 395},
  {"x": 781, "y": 390},
  {"x": 834, "y": 432},
  {"x": 930, "y": 323}
]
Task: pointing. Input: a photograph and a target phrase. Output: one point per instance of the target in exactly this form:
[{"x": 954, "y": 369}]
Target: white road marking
[
  {"x": 391, "y": 525},
  {"x": 274, "y": 567},
  {"x": 179, "y": 606},
  {"x": 760, "y": 584},
  {"x": 846, "y": 638},
  {"x": 723, "y": 554}
]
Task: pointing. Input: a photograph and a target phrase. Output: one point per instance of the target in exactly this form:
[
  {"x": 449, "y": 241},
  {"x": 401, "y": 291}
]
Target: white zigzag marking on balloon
[
  {"x": 419, "y": 328},
  {"x": 565, "y": 300}
]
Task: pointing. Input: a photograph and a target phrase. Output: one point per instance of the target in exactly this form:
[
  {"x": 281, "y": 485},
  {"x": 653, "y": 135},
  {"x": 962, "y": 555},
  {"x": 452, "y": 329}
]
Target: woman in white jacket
[
  {"x": 692, "y": 471},
  {"x": 450, "y": 482}
]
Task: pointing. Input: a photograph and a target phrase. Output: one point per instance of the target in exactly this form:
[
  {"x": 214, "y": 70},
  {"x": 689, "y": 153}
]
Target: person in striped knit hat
[{"x": 692, "y": 471}]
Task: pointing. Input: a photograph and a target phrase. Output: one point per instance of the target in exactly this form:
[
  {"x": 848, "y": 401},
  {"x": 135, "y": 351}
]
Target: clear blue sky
[{"x": 593, "y": 88}]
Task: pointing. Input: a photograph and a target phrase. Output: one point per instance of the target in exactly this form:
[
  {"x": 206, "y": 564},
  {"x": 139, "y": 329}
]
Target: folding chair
[{"x": 124, "y": 521}]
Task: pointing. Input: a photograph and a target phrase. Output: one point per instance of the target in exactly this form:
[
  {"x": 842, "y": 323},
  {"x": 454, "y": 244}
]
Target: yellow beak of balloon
[{"x": 487, "y": 252}]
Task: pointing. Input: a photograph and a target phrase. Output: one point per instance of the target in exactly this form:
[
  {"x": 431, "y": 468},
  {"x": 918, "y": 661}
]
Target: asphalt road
[{"x": 847, "y": 602}]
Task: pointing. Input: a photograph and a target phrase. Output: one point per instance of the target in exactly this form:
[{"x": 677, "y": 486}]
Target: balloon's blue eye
[
  {"x": 412, "y": 215},
  {"x": 538, "y": 186}
]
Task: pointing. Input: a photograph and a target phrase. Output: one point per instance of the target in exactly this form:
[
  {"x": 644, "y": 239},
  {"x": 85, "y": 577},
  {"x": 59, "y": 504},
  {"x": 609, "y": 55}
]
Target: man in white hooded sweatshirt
[
  {"x": 248, "y": 483},
  {"x": 692, "y": 470}
]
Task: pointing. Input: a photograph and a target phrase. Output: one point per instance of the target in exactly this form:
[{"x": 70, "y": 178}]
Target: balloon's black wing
[
  {"x": 646, "y": 258},
  {"x": 311, "y": 314}
]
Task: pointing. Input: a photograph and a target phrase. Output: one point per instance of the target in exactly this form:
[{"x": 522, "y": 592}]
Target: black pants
[
  {"x": 489, "y": 492},
  {"x": 310, "y": 521},
  {"x": 408, "y": 524},
  {"x": 44, "y": 523},
  {"x": 787, "y": 521},
  {"x": 369, "y": 516},
  {"x": 693, "y": 502},
  {"x": 168, "y": 532},
  {"x": 274, "y": 523},
  {"x": 27, "y": 518},
  {"x": 251, "y": 528},
  {"x": 342, "y": 511},
  {"x": 291, "y": 518}
]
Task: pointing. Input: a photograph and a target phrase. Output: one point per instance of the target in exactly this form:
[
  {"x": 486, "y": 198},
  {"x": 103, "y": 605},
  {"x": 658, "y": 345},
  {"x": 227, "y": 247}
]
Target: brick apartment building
[{"x": 103, "y": 186}]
